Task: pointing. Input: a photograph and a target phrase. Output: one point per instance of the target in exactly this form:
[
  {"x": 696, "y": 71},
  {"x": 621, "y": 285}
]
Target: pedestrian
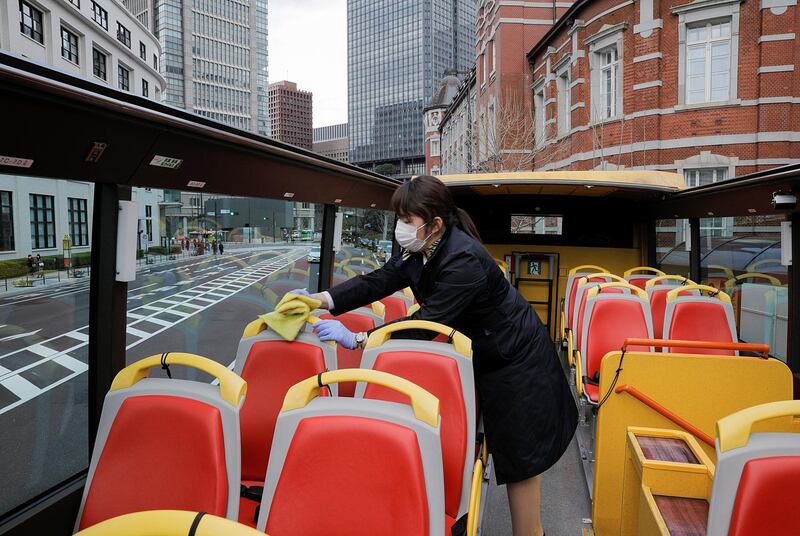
[
  {"x": 529, "y": 413},
  {"x": 214, "y": 246},
  {"x": 30, "y": 263},
  {"x": 220, "y": 248}
]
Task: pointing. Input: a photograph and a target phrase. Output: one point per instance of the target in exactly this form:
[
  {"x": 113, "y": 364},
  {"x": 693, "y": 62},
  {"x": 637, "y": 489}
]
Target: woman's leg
[{"x": 525, "y": 500}]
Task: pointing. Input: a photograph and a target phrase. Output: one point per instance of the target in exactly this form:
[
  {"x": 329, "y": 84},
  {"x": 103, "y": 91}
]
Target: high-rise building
[
  {"x": 331, "y": 141},
  {"x": 397, "y": 52},
  {"x": 290, "y": 114},
  {"x": 214, "y": 57}
]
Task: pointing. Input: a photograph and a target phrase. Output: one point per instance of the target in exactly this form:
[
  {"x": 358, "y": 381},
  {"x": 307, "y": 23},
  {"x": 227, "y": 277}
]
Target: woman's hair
[{"x": 427, "y": 197}]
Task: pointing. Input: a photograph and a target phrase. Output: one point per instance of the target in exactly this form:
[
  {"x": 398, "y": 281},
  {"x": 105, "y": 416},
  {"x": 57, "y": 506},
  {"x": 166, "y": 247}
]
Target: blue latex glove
[
  {"x": 302, "y": 291},
  {"x": 333, "y": 330}
]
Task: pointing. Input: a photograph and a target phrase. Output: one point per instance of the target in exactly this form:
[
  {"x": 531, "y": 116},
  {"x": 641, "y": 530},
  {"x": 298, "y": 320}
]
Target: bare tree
[{"x": 504, "y": 135}]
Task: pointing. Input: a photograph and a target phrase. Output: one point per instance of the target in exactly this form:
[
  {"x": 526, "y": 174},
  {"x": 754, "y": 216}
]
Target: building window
[
  {"x": 716, "y": 226},
  {"x": 142, "y": 51},
  {"x": 99, "y": 15},
  {"x": 78, "y": 221},
  {"x": 493, "y": 44},
  {"x": 564, "y": 103},
  {"x": 145, "y": 88},
  {"x": 99, "y": 64},
  {"x": 76, "y": 3},
  {"x": 124, "y": 78},
  {"x": 155, "y": 62},
  {"x": 6, "y": 222},
  {"x": 539, "y": 115},
  {"x": 708, "y": 61},
  {"x": 43, "y": 227},
  {"x": 435, "y": 147},
  {"x": 123, "y": 35},
  {"x": 484, "y": 72},
  {"x": 69, "y": 46},
  {"x": 608, "y": 66},
  {"x": 30, "y": 22}
]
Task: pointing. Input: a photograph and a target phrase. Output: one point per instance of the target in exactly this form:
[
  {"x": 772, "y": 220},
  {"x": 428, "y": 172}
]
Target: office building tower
[
  {"x": 331, "y": 141},
  {"x": 397, "y": 53},
  {"x": 290, "y": 114}
]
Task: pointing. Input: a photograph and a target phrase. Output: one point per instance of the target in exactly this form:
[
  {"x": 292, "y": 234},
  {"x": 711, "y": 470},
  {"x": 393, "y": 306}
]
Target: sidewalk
[{"x": 54, "y": 279}]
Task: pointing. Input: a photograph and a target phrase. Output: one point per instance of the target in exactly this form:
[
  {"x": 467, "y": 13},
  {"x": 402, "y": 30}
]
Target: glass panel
[
  {"x": 536, "y": 224},
  {"x": 44, "y": 330},
  {"x": 366, "y": 242},
  {"x": 671, "y": 248},
  {"x": 189, "y": 294},
  {"x": 748, "y": 267}
]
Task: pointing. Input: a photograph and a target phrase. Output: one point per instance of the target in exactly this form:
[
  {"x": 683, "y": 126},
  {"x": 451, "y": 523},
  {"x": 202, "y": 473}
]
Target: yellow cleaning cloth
[{"x": 290, "y": 315}]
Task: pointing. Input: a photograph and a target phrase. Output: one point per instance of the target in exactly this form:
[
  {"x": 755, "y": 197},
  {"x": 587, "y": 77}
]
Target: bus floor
[{"x": 565, "y": 500}]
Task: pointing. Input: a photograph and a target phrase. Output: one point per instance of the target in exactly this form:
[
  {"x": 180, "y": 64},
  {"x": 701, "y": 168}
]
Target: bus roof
[{"x": 586, "y": 183}]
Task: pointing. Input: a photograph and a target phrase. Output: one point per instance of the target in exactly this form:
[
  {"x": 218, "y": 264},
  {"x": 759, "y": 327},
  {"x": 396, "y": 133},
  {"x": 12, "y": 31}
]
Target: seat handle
[
  {"x": 586, "y": 267},
  {"x": 584, "y": 280},
  {"x": 730, "y": 283},
  {"x": 461, "y": 343},
  {"x": 231, "y": 386},
  {"x": 712, "y": 292},
  {"x": 594, "y": 291},
  {"x": 656, "y": 271},
  {"x": 761, "y": 349},
  {"x": 661, "y": 278},
  {"x": 734, "y": 430},
  {"x": 423, "y": 403}
]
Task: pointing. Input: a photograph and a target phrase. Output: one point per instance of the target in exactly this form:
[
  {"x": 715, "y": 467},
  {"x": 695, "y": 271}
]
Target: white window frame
[
  {"x": 539, "y": 114},
  {"x": 707, "y": 45},
  {"x": 564, "y": 102},
  {"x": 609, "y": 39},
  {"x": 697, "y": 13},
  {"x": 436, "y": 147},
  {"x": 484, "y": 73},
  {"x": 493, "y": 43}
]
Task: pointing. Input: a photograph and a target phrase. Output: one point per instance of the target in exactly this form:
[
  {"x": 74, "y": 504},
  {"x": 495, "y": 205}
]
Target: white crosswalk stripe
[{"x": 145, "y": 317}]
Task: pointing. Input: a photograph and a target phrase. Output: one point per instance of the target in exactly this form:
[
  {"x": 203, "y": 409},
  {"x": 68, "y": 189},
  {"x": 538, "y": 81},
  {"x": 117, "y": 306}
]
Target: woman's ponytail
[{"x": 464, "y": 221}]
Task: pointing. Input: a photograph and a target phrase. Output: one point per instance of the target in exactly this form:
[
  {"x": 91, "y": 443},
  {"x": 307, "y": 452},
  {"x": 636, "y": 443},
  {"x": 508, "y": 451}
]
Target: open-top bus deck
[{"x": 137, "y": 394}]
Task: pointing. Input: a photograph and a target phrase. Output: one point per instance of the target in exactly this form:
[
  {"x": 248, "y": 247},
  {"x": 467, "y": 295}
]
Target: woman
[{"x": 529, "y": 413}]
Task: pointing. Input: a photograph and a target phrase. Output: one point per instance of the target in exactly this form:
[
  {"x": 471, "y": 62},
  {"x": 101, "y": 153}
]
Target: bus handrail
[
  {"x": 665, "y": 412},
  {"x": 761, "y": 349}
]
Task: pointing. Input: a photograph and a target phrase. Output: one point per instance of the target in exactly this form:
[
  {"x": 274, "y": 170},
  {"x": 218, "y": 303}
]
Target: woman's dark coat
[{"x": 529, "y": 413}]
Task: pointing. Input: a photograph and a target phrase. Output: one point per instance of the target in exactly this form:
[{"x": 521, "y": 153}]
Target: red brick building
[
  {"x": 505, "y": 31},
  {"x": 705, "y": 88},
  {"x": 290, "y": 111}
]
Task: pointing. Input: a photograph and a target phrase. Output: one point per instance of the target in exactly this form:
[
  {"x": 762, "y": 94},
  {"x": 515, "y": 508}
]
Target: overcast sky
[{"x": 308, "y": 45}]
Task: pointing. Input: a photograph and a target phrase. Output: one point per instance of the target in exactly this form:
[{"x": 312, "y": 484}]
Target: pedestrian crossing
[{"x": 63, "y": 357}]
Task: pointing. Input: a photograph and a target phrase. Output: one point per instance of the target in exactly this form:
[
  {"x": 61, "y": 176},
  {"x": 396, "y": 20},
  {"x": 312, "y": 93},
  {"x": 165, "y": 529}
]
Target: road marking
[
  {"x": 20, "y": 387},
  {"x": 41, "y": 350},
  {"x": 136, "y": 332},
  {"x": 20, "y": 335}
]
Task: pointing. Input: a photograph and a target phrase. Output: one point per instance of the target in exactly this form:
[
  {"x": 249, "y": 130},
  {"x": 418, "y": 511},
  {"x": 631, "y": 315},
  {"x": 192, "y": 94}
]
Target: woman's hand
[
  {"x": 333, "y": 330},
  {"x": 320, "y": 296}
]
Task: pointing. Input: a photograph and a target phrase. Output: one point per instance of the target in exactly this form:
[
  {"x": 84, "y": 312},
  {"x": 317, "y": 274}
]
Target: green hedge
[{"x": 19, "y": 267}]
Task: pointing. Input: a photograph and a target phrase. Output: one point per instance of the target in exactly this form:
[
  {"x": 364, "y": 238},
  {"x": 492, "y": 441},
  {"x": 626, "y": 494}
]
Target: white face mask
[{"x": 406, "y": 236}]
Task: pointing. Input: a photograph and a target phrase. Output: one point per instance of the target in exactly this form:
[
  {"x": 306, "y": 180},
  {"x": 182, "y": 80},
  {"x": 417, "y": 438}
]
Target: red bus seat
[
  {"x": 610, "y": 318},
  {"x": 396, "y": 307},
  {"x": 699, "y": 318},
  {"x": 358, "y": 320},
  {"x": 352, "y": 465},
  {"x": 166, "y": 443},
  {"x": 569, "y": 293},
  {"x": 755, "y": 484},
  {"x": 639, "y": 276},
  {"x": 657, "y": 289},
  {"x": 444, "y": 370},
  {"x": 583, "y": 285},
  {"x": 271, "y": 365}
]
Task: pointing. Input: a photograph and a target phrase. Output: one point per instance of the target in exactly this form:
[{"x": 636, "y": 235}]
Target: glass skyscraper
[
  {"x": 397, "y": 52},
  {"x": 223, "y": 75}
]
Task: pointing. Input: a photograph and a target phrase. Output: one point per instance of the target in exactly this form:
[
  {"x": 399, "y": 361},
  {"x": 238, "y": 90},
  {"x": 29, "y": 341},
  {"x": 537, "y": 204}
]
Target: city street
[{"x": 199, "y": 305}]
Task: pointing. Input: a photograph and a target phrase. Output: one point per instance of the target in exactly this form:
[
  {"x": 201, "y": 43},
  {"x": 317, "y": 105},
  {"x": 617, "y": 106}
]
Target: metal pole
[
  {"x": 326, "y": 256},
  {"x": 794, "y": 305},
  {"x": 107, "y": 301},
  {"x": 695, "y": 271}
]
